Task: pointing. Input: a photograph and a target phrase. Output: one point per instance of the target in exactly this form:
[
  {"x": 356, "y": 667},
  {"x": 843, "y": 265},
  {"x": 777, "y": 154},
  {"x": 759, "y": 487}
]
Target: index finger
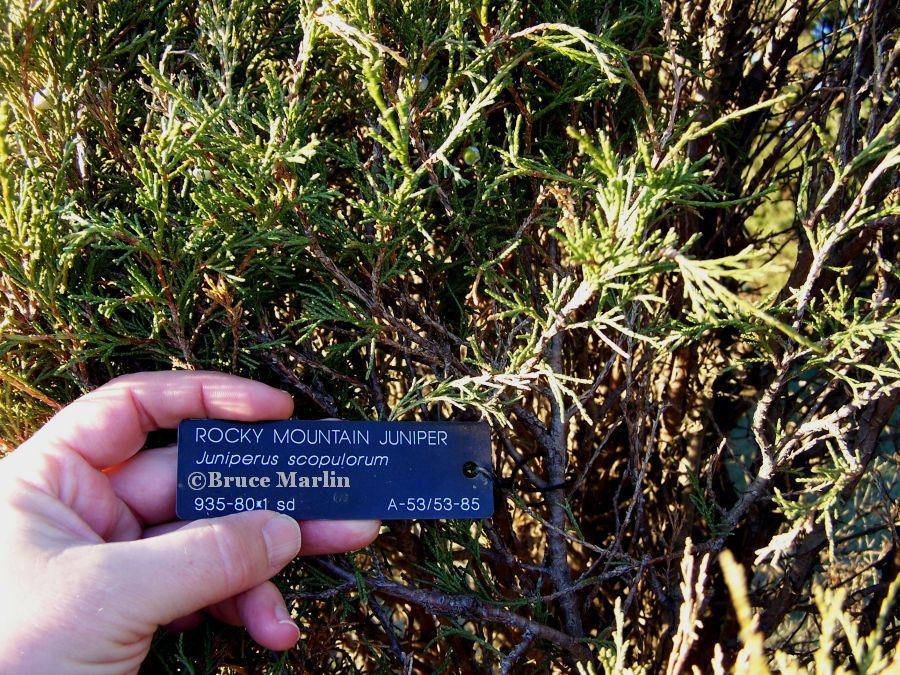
[{"x": 111, "y": 424}]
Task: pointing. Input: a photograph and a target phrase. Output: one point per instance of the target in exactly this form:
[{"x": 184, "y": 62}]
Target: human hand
[{"x": 91, "y": 562}]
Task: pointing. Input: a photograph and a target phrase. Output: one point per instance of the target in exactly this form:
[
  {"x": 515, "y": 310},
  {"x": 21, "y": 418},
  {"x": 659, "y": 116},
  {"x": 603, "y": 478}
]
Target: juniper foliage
[{"x": 653, "y": 244}]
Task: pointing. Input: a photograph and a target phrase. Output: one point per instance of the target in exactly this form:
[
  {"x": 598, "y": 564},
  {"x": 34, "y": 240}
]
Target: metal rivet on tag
[{"x": 470, "y": 469}]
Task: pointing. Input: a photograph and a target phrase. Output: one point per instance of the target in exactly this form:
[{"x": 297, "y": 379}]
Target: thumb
[{"x": 204, "y": 562}]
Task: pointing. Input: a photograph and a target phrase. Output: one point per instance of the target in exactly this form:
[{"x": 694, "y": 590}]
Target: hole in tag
[{"x": 470, "y": 469}]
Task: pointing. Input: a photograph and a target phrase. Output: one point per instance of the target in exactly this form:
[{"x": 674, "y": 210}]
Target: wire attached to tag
[{"x": 509, "y": 483}]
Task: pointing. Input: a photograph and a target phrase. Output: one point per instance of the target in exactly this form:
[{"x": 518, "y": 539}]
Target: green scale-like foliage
[{"x": 655, "y": 246}]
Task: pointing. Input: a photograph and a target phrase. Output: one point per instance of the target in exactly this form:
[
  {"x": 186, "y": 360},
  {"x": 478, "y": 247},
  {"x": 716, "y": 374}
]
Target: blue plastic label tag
[{"x": 335, "y": 469}]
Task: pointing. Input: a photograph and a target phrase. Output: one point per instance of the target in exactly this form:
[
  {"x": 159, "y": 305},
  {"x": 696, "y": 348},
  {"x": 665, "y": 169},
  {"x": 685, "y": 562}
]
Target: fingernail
[
  {"x": 282, "y": 535},
  {"x": 284, "y": 617}
]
